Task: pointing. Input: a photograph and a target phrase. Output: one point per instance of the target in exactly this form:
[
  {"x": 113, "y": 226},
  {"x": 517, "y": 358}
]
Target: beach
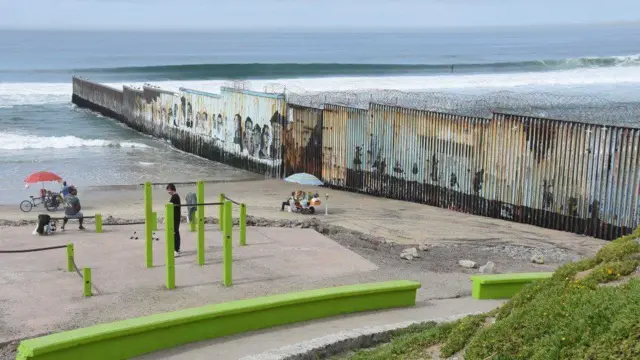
[{"x": 370, "y": 231}]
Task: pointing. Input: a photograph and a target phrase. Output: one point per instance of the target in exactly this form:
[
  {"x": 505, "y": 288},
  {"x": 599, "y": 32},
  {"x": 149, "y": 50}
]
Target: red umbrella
[{"x": 42, "y": 176}]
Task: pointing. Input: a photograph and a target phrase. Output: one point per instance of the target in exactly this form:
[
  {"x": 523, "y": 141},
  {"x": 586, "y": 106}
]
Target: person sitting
[
  {"x": 72, "y": 209},
  {"x": 289, "y": 201}
]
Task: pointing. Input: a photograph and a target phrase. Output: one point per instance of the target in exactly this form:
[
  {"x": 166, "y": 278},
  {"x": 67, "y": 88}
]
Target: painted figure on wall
[
  {"x": 189, "y": 118},
  {"x": 276, "y": 122},
  {"x": 478, "y": 180},
  {"x": 265, "y": 142},
  {"x": 434, "y": 168},
  {"x": 170, "y": 116},
  {"x": 357, "y": 159},
  {"x": 237, "y": 135},
  {"x": 398, "y": 168},
  {"x": 276, "y": 140},
  {"x": 246, "y": 136},
  {"x": 204, "y": 123},
  {"x": 183, "y": 108},
  {"x": 175, "y": 115},
  {"x": 255, "y": 141},
  {"x": 197, "y": 122},
  {"x": 220, "y": 130}
]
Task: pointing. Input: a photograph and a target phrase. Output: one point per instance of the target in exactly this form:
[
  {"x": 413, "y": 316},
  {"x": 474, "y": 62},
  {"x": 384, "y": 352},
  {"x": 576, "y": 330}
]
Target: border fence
[{"x": 500, "y": 155}]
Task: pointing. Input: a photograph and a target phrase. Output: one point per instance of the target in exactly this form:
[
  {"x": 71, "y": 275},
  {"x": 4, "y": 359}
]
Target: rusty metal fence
[
  {"x": 567, "y": 175},
  {"x": 570, "y": 176}
]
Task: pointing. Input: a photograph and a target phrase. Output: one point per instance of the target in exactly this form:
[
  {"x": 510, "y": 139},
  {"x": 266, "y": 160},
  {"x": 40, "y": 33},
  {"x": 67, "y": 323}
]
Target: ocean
[{"x": 584, "y": 66}]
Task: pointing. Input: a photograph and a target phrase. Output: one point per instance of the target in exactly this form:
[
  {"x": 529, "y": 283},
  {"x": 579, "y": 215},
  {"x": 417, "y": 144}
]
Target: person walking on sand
[{"x": 175, "y": 200}]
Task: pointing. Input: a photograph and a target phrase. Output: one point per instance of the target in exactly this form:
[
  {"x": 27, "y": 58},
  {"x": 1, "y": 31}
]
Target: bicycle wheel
[
  {"x": 26, "y": 206},
  {"x": 51, "y": 205}
]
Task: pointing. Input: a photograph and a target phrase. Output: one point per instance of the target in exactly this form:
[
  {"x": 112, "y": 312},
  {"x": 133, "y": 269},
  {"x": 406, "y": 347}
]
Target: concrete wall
[
  {"x": 101, "y": 98},
  {"x": 576, "y": 177}
]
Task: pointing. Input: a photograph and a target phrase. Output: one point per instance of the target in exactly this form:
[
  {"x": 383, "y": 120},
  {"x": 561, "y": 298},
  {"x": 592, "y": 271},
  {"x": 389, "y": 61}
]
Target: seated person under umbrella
[{"x": 72, "y": 208}]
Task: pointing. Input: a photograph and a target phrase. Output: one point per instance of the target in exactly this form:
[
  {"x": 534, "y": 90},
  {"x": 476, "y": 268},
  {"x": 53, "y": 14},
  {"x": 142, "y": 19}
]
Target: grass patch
[
  {"x": 564, "y": 317},
  {"x": 407, "y": 346}
]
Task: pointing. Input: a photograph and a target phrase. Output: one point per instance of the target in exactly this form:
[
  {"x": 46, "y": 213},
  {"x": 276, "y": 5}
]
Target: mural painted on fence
[
  {"x": 257, "y": 125},
  {"x": 569, "y": 176}
]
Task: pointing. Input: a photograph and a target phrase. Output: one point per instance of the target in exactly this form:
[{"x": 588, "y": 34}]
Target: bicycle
[{"x": 51, "y": 201}]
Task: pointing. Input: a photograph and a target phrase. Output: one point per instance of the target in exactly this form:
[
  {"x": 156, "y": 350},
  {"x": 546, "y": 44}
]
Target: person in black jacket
[{"x": 175, "y": 199}]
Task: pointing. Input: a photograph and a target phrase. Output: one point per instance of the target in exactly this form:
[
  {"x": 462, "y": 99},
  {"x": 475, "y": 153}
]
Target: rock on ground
[{"x": 468, "y": 264}]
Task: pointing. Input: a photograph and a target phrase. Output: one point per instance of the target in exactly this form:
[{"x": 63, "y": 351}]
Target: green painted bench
[
  {"x": 133, "y": 337},
  {"x": 503, "y": 286}
]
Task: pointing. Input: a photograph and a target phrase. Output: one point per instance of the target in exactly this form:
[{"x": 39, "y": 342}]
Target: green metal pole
[
  {"x": 148, "y": 226},
  {"x": 98, "y": 223},
  {"x": 221, "y": 200},
  {"x": 86, "y": 275},
  {"x": 227, "y": 245},
  {"x": 154, "y": 221},
  {"x": 200, "y": 199},
  {"x": 169, "y": 234},
  {"x": 192, "y": 223},
  {"x": 243, "y": 224},
  {"x": 69, "y": 257}
]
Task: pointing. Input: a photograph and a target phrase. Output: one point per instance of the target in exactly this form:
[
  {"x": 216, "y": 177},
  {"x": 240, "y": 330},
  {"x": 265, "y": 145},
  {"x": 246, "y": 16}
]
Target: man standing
[{"x": 175, "y": 200}]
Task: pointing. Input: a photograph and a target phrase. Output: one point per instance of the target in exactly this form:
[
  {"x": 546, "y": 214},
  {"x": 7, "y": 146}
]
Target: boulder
[
  {"x": 487, "y": 268},
  {"x": 410, "y": 253},
  {"x": 537, "y": 259},
  {"x": 468, "y": 264}
]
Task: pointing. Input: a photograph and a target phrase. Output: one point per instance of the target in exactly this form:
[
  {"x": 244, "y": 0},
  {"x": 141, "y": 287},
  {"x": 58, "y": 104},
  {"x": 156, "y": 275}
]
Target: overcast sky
[{"x": 326, "y": 14}]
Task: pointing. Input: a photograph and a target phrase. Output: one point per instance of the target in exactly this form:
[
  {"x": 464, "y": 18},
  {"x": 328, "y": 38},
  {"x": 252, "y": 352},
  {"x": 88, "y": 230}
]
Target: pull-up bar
[{"x": 151, "y": 220}]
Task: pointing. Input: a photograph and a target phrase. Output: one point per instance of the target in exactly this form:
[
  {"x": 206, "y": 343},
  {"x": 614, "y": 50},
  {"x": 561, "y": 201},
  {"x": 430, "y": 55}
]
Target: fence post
[
  {"x": 169, "y": 243},
  {"x": 243, "y": 224},
  {"x": 200, "y": 199},
  {"x": 221, "y": 214},
  {"x": 98, "y": 223},
  {"x": 148, "y": 228},
  {"x": 70, "y": 257},
  {"x": 86, "y": 276},
  {"x": 154, "y": 221},
  {"x": 227, "y": 245}
]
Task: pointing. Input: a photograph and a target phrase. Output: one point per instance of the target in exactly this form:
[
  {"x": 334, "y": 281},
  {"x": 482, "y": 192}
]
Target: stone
[
  {"x": 487, "y": 268},
  {"x": 537, "y": 259},
  {"x": 410, "y": 253},
  {"x": 468, "y": 264},
  {"x": 423, "y": 247}
]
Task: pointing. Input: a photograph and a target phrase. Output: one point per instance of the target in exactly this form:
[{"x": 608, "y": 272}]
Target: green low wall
[
  {"x": 133, "y": 337},
  {"x": 503, "y": 286}
]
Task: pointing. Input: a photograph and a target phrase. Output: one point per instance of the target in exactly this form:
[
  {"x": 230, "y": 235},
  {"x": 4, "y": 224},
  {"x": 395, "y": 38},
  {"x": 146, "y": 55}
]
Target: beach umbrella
[
  {"x": 42, "y": 176},
  {"x": 304, "y": 179}
]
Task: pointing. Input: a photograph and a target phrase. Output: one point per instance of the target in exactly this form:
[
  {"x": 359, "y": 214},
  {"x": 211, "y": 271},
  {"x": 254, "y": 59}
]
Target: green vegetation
[{"x": 589, "y": 309}]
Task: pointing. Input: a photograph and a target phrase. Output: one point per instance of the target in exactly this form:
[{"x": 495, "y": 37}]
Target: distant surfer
[{"x": 451, "y": 67}]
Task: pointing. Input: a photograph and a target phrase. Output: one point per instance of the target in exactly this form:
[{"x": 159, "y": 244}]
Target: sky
[{"x": 301, "y": 14}]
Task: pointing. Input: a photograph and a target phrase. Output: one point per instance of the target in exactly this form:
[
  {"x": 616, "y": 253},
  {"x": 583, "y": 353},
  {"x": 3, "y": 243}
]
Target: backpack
[{"x": 43, "y": 221}]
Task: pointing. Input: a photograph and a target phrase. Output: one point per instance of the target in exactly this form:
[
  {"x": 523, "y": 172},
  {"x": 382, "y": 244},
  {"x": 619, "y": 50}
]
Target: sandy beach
[
  {"x": 360, "y": 240},
  {"x": 398, "y": 221}
]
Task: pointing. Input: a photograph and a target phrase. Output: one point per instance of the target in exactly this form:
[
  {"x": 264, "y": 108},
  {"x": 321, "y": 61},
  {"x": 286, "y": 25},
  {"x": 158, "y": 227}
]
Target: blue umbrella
[{"x": 304, "y": 179}]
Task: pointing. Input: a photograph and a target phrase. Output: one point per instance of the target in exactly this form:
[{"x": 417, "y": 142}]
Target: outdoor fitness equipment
[
  {"x": 197, "y": 225},
  {"x": 226, "y": 241}
]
